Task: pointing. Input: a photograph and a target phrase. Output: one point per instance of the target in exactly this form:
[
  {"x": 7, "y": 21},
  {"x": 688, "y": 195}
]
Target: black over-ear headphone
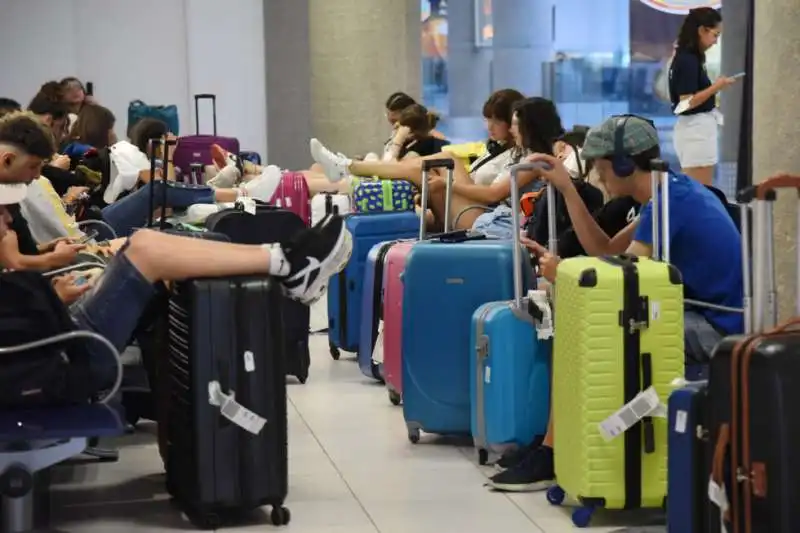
[{"x": 621, "y": 162}]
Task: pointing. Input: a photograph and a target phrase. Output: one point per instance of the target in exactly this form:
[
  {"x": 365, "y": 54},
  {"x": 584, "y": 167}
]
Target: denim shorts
[
  {"x": 699, "y": 338},
  {"x": 112, "y": 308},
  {"x": 497, "y": 223}
]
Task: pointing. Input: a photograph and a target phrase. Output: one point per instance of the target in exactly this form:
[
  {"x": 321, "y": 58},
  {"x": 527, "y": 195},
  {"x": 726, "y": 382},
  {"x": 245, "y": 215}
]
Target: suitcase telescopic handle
[
  {"x": 427, "y": 166},
  {"x": 659, "y": 181},
  {"x": 204, "y": 96},
  {"x": 515, "y": 223},
  {"x": 154, "y": 144}
]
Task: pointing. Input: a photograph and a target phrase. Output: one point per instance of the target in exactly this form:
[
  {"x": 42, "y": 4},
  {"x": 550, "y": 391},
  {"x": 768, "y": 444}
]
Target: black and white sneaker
[
  {"x": 315, "y": 255},
  {"x": 512, "y": 458},
  {"x": 534, "y": 473}
]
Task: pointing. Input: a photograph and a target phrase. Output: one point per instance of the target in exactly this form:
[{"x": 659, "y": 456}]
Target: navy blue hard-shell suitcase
[
  {"x": 510, "y": 365},
  {"x": 345, "y": 291},
  {"x": 371, "y": 307},
  {"x": 688, "y": 460}
]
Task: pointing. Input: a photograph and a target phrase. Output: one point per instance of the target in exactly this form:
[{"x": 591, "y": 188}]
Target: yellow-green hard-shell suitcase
[{"x": 618, "y": 330}]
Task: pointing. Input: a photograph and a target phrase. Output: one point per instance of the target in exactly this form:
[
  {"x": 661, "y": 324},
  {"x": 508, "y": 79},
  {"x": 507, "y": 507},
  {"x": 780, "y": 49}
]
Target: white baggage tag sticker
[
  {"x": 655, "y": 311},
  {"x": 644, "y": 404},
  {"x": 544, "y": 328},
  {"x": 249, "y": 205},
  {"x": 487, "y": 374},
  {"x": 719, "y": 497},
  {"x": 681, "y": 418},
  {"x": 234, "y": 411},
  {"x": 249, "y": 361},
  {"x": 377, "y": 352}
]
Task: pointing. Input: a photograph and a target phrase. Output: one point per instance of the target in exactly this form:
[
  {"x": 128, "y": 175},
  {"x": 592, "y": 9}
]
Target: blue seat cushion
[{"x": 65, "y": 422}]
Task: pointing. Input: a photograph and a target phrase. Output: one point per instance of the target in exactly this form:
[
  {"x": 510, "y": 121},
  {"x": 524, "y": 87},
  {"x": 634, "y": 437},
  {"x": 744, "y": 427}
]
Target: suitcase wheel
[
  {"x": 334, "y": 351},
  {"x": 395, "y": 397},
  {"x": 581, "y": 516},
  {"x": 413, "y": 435},
  {"x": 204, "y": 520},
  {"x": 556, "y": 495},
  {"x": 280, "y": 516},
  {"x": 483, "y": 456}
]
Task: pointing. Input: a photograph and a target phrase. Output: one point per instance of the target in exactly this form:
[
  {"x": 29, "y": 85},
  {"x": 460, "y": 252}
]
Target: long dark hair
[
  {"x": 688, "y": 36},
  {"x": 93, "y": 125},
  {"x": 539, "y": 126},
  {"x": 399, "y": 101}
]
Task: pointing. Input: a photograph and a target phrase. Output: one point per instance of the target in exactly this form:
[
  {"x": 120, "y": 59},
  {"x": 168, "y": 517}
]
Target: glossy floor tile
[{"x": 352, "y": 470}]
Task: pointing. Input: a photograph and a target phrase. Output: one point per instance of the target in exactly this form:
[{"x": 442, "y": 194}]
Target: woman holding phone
[{"x": 693, "y": 95}]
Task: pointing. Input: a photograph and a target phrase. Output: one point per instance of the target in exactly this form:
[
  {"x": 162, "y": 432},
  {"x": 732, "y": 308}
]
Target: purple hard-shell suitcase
[{"x": 197, "y": 148}]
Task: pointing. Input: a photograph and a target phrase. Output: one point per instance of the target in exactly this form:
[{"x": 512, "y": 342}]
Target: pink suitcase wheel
[{"x": 395, "y": 397}]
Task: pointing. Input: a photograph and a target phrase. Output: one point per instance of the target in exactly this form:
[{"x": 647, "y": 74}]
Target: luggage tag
[
  {"x": 544, "y": 320},
  {"x": 377, "y": 352},
  {"x": 719, "y": 497},
  {"x": 234, "y": 411},
  {"x": 645, "y": 404},
  {"x": 246, "y": 204}
]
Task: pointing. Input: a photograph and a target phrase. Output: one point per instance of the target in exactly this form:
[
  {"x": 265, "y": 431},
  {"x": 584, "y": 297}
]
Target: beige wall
[
  {"x": 361, "y": 51},
  {"x": 776, "y": 127}
]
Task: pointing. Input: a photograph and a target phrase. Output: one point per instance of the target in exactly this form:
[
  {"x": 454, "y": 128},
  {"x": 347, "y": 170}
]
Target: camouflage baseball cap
[{"x": 639, "y": 136}]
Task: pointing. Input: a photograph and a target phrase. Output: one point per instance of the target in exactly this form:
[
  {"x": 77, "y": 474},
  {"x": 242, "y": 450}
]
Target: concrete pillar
[
  {"x": 734, "y": 42},
  {"x": 776, "y": 126},
  {"x": 361, "y": 52},
  {"x": 287, "y": 56},
  {"x": 523, "y": 40}
]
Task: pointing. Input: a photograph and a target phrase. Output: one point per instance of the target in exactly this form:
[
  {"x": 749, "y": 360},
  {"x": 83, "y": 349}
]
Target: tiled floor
[{"x": 352, "y": 470}]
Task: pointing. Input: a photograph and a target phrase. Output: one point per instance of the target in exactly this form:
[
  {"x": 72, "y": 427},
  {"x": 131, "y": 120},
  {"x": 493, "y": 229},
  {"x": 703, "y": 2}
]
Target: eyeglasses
[{"x": 716, "y": 33}]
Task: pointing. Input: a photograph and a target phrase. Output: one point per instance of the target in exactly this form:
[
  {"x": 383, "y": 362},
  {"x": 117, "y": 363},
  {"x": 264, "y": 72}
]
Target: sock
[{"x": 278, "y": 264}]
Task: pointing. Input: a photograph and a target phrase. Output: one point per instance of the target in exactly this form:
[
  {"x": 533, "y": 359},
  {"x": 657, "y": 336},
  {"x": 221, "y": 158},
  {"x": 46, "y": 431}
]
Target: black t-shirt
[
  {"x": 25, "y": 240},
  {"x": 613, "y": 217},
  {"x": 688, "y": 75},
  {"x": 424, "y": 147}
]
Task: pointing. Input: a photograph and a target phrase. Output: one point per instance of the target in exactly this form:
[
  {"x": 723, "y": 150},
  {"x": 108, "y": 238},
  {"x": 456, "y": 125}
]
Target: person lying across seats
[
  {"x": 303, "y": 264},
  {"x": 705, "y": 247}
]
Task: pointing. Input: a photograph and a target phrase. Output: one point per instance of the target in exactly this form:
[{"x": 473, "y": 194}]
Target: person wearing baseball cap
[{"x": 705, "y": 247}]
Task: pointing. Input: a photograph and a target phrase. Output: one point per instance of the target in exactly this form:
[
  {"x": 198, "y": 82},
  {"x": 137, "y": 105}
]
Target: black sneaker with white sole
[
  {"x": 514, "y": 457},
  {"x": 535, "y": 472},
  {"x": 315, "y": 255}
]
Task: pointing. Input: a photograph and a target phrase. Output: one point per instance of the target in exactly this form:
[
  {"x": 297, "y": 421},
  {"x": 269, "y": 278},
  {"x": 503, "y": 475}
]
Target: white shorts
[{"x": 696, "y": 139}]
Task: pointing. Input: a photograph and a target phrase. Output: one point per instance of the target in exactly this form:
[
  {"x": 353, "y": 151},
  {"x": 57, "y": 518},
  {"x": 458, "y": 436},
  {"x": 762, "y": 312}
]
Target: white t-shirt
[{"x": 488, "y": 172}]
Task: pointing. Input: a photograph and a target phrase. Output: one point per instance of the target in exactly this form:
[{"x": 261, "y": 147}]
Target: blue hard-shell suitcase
[
  {"x": 510, "y": 385},
  {"x": 443, "y": 284},
  {"x": 371, "y": 307},
  {"x": 688, "y": 460},
  {"x": 344, "y": 292}
]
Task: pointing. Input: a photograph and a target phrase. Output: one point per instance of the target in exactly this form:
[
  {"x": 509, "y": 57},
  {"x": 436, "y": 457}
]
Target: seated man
[
  {"x": 304, "y": 264},
  {"x": 705, "y": 247}
]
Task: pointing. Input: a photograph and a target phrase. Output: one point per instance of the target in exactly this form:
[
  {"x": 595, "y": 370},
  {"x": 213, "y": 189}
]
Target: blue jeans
[
  {"x": 112, "y": 308},
  {"x": 699, "y": 338},
  {"x": 497, "y": 223},
  {"x": 133, "y": 211}
]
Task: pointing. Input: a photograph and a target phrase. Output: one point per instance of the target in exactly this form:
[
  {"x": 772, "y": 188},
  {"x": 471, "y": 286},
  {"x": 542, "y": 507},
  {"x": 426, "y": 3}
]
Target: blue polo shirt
[
  {"x": 688, "y": 75},
  {"x": 705, "y": 245}
]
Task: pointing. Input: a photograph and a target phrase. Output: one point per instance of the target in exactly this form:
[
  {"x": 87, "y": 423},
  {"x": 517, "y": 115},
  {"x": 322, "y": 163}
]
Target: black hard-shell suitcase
[
  {"x": 754, "y": 388},
  {"x": 226, "y": 332},
  {"x": 270, "y": 224}
]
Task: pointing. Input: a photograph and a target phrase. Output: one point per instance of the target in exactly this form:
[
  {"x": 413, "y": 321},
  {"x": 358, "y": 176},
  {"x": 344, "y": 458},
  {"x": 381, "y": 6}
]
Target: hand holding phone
[
  {"x": 739, "y": 75},
  {"x": 88, "y": 237}
]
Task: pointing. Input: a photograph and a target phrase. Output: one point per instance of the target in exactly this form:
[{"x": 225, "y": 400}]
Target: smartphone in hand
[
  {"x": 739, "y": 75},
  {"x": 88, "y": 237}
]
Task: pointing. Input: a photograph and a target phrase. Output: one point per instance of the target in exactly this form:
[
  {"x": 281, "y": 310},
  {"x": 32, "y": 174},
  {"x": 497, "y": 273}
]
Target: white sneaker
[
  {"x": 226, "y": 178},
  {"x": 263, "y": 187},
  {"x": 198, "y": 213},
  {"x": 335, "y": 166}
]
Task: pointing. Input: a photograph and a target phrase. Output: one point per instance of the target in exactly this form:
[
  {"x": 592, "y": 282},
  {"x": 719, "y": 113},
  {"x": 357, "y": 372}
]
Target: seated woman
[{"x": 534, "y": 126}]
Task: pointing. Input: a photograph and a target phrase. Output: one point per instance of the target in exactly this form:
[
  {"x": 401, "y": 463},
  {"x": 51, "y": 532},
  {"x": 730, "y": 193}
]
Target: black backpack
[
  {"x": 536, "y": 228},
  {"x": 30, "y": 310}
]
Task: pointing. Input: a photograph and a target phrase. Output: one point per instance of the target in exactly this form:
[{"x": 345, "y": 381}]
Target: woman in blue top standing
[{"x": 696, "y": 131}]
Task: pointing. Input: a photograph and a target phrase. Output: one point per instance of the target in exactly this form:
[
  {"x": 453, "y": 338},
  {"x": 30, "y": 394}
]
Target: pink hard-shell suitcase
[
  {"x": 393, "y": 266},
  {"x": 292, "y": 195}
]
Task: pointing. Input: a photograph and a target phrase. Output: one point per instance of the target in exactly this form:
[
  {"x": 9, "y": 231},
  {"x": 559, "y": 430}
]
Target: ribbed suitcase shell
[
  {"x": 590, "y": 367},
  {"x": 394, "y": 266},
  {"x": 371, "y": 309},
  {"x": 214, "y": 466}
]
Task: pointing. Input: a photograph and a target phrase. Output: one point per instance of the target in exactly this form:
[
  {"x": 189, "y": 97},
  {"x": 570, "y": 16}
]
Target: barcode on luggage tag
[
  {"x": 242, "y": 417},
  {"x": 641, "y": 406}
]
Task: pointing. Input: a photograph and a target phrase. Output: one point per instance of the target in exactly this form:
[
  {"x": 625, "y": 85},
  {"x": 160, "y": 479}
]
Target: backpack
[
  {"x": 537, "y": 224},
  {"x": 30, "y": 310}
]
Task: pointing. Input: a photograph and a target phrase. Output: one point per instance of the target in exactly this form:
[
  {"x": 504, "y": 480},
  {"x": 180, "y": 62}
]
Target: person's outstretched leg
[{"x": 337, "y": 167}]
